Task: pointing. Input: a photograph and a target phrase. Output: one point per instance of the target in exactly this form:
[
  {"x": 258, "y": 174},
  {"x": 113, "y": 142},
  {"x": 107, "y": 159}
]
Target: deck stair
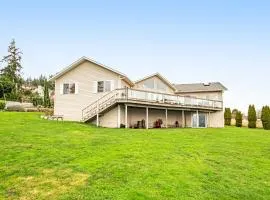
[{"x": 99, "y": 106}]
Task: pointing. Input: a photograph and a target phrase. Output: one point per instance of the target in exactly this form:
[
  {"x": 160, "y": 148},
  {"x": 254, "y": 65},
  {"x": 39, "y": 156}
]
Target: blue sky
[{"x": 186, "y": 41}]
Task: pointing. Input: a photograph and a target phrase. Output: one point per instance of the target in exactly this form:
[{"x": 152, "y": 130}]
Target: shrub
[
  {"x": 238, "y": 119},
  {"x": 2, "y": 105},
  {"x": 37, "y": 101},
  {"x": 227, "y": 116},
  {"x": 252, "y": 118},
  {"x": 46, "y": 111},
  {"x": 15, "y": 108},
  {"x": 31, "y": 110},
  {"x": 265, "y": 117}
]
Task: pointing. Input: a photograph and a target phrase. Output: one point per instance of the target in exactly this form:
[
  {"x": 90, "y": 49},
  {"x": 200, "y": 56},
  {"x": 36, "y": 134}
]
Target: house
[{"x": 91, "y": 92}]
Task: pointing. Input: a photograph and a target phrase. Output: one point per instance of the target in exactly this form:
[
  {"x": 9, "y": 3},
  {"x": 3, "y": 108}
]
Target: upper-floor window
[
  {"x": 69, "y": 88},
  {"x": 150, "y": 84},
  {"x": 104, "y": 86},
  {"x": 161, "y": 86}
]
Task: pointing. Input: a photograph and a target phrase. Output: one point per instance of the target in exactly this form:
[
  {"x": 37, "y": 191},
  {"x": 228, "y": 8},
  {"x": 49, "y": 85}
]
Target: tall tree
[
  {"x": 252, "y": 118},
  {"x": 227, "y": 116},
  {"x": 238, "y": 119},
  {"x": 12, "y": 71},
  {"x": 266, "y": 117},
  {"x": 46, "y": 101}
]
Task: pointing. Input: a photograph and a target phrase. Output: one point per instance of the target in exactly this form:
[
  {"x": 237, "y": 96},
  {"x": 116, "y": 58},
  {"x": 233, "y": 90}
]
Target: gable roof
[
  {"x": 83, "y": 59},
  {"x": 200, "y": 87},
  {"x": 160, "y": 77}
]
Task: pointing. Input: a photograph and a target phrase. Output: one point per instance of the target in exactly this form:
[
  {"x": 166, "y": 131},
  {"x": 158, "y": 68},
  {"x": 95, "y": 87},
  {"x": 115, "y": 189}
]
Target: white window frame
[
  {"x": 104, "y": 89},
  {"x": 62, "y": 88}
]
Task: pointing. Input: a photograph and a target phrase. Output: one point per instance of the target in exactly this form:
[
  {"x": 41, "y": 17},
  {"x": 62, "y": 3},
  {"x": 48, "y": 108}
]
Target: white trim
[
  {"x": 94, "y": 87},
  {"x": 76, "y": 88},
  {"x": 126, "y": 116},
  {"x": 112, "y": 85},
  {"x": 61, "y": 88}
]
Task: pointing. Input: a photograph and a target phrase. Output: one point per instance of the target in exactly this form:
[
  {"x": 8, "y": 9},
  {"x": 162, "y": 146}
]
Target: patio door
[{"x": 202, "y": 122}]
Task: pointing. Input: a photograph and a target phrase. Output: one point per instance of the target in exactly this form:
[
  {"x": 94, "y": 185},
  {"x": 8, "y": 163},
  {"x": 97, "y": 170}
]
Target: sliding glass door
[{"x": 202, "y": 121}]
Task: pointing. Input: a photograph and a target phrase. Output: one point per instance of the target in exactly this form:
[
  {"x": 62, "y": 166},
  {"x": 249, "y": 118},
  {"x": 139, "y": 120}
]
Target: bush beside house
[{"x": 227, "y": 116}]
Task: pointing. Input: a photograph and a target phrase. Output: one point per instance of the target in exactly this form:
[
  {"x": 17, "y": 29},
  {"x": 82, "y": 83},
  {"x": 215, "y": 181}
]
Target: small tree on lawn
[
  {"x": 227, "y": 116},
  {"x": 46, "y": 100},
  {"x": 252, "y": 118},
  {"x": 266, "y": 117},
  {"x": 238, "y": 119}
]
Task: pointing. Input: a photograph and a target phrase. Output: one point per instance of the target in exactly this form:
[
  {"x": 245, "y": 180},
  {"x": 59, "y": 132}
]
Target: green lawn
[{"x": 42, "y": 159}]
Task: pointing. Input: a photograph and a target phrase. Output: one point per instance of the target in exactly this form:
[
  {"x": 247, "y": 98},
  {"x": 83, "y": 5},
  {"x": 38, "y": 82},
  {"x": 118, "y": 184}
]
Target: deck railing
[
  {"x": 156, "y": 97},
  {"x": 127, "y": 94}
]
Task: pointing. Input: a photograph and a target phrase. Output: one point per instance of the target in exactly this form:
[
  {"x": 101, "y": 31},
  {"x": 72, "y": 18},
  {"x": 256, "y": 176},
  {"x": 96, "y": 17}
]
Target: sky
[{"x": 186, "y": 41}]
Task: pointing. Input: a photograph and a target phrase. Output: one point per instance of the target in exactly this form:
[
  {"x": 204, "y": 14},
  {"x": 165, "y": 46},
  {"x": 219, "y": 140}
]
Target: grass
[{"x": 42, "y": 159}]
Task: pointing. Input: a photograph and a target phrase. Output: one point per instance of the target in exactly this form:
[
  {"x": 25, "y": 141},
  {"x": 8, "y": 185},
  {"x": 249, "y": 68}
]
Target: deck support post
[
  {"x": 147, "y": 119},
  {"x": 166, "y": 117},
  {"x": 97, "y": 114},
  {"x": 183, "y": 119},
  {"x": 208, "y": 120},
  {"x": 118, "y": 116},
  {"x": 197, "y": 119},
  {"x": 126, "y": 113}
]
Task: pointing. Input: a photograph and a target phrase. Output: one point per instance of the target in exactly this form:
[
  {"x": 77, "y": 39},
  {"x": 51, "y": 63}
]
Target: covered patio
[{"x": 144, "y": 116}]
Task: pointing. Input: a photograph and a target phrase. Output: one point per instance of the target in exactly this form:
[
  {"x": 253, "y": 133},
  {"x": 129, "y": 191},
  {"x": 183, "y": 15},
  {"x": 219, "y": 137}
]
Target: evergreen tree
[
  {"x": 238, "y": 119},
  {"x": 266, "y": 117},
  {"x": 252, "y": 118},
  {"x": 13, "y": 69},
  {"x": 227, "y": 116},
  {"x": 46, "y": 100}
]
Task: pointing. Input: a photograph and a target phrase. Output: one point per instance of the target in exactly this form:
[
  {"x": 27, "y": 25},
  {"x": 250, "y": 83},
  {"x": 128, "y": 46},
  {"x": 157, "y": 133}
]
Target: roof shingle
[{"x": 199, "y": 87}]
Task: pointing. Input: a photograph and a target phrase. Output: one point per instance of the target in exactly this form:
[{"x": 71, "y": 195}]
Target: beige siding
[
  {"x": 84, "y": 75},
  {"x": 216, "y": 119},
  {"x": 124, "y": 84},
  {"x": 156, "y": 79},
  {"x": 109, "y": 119}
]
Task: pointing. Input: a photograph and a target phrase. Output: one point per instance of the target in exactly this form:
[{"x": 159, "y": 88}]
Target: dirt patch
[{"x": 49, "y": 184}]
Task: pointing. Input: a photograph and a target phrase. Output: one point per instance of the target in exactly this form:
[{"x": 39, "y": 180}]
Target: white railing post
[
  {"x": 166, "y": 117},
  {"x": 147, "y": 118},
  {"x": 97, "y": 113},
  {"x": 126, "y": 113}
]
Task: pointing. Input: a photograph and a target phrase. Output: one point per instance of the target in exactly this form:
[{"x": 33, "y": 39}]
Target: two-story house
[{"x": 91, "y": 92}]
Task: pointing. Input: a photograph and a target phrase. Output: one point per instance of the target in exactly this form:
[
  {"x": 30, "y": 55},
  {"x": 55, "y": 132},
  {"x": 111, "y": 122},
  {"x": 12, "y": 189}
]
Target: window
[
  {"x": 100, "y": 86},
  {"x": 161, "y": 86},
  {"x": 69, "y": 88},
  {"x": 107, "y": 86},
  {"x": 104, "y": 86},
  {"x": 149, "y": 84}
]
